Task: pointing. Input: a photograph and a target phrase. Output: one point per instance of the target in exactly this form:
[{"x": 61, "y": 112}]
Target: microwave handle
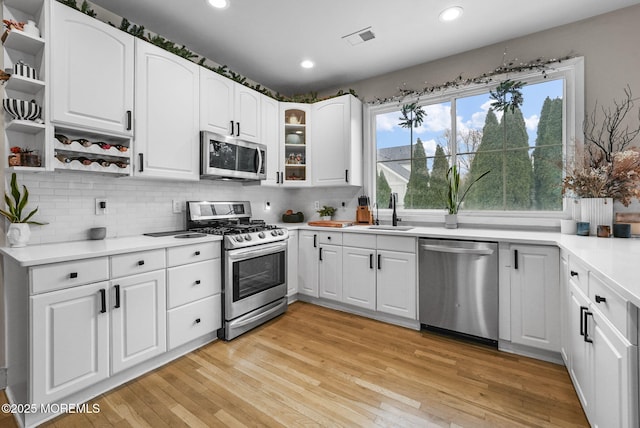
[{"x": 259, "y": 156}]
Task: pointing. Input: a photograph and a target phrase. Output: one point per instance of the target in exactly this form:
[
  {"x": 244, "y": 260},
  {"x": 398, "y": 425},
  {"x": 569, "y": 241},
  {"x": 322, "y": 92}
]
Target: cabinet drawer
[
  {"x": 614, "y": 307},
  {"x": 396, "y": 243},
  {"x": 193, "y": 320},
  {"x": 334, "y": 238},
  {"x": 188, "y": 283},
  {"x": 579, "y": 274},
  {"x": 177, "y": 256},
  {"x": 360, "y": 240},
  {"x": 57, "y": 276},
  {"x": 134, "y": 263}
]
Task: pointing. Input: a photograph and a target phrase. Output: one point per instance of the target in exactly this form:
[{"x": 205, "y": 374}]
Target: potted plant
[
  {"x": 454, "y": 199},
  {"x": 19, "y": 232},
  {"x": 326, "y": 212}
]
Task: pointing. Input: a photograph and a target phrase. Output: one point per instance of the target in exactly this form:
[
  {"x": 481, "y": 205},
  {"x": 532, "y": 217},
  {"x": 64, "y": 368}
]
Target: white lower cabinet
[
  {"x": 292, "y": 263},
  {"x": 308, "y": 263},
  {"x": 535, "y": 296},
  {"x": 138, "y": 319},
  {"x": 330, "y": 272},
  {"x": 69, "y": 341},
  {"x": 396, "y": 285},
  {"x": 359, "y": 277}
]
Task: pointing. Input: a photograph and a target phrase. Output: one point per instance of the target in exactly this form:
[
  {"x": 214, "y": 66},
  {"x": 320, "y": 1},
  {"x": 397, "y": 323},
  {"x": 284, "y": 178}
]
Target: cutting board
[{"x": 331, "y": 223}]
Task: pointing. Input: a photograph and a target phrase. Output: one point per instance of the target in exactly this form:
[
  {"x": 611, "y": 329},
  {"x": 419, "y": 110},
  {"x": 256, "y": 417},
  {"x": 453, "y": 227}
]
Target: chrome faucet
[{"x": 393, "y": 201}]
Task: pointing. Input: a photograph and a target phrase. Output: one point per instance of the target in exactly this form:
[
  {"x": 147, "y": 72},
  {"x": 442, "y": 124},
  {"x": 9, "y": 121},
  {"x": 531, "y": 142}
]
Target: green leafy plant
[
  {"x": 453, "y": 198},
  {"x": 326, "y": 211},
  {"x": 507, "y": 96},
  {"x": 16, "y": 205}
]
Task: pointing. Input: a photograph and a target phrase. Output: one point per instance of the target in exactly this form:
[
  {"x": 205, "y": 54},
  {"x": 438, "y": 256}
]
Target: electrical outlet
[
  {"x": 101, "y": 206},
  {"x": 316, "y": 205},
  {"x": 177, "y": 207}
]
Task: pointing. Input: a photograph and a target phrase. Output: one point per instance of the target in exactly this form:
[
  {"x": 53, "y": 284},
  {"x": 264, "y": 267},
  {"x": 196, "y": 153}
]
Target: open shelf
[
  {"x": 21, "y": 41},
  {"x": 24, "y": 84},
  {"x": 25, "y": 126}
]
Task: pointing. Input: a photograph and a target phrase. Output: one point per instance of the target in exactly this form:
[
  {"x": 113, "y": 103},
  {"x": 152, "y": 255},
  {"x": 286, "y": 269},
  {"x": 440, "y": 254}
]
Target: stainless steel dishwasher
[{"x": 459, "y": 287}]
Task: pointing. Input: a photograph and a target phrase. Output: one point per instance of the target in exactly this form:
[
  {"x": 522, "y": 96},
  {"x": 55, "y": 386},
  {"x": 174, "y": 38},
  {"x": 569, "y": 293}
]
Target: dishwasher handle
[{"x": 454, "y": 250}]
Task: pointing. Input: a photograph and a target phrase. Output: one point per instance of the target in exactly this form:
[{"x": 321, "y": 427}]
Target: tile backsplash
[{"x": 66, "y": 201}]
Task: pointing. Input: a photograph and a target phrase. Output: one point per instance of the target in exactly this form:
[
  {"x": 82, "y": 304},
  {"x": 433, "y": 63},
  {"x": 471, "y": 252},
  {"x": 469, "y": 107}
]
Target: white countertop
[{"x": 64, "y": 251}]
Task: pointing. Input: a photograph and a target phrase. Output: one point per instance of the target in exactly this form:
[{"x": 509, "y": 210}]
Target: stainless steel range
[{"x": 254, "y": 263}]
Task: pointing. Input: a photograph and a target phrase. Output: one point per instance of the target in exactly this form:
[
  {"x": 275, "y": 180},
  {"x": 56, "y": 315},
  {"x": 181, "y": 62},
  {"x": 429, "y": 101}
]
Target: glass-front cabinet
[{"x": 295, "y": 140}]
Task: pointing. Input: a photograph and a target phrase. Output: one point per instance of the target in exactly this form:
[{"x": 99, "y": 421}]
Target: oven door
[{"x": 254, "y": 277}]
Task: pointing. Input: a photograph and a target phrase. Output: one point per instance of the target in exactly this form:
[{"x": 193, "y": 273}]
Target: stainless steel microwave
[{"x": 224, "y": 157}]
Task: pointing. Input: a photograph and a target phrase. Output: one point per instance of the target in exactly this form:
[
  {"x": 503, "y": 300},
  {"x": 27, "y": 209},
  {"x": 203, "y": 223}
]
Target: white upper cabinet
[
  {"x": 167, "y": 119},
  {"x": 92, "y": 73},
  {"x": 270, "y": 138},
  {"x": 336, "y": 135},
  {"x": 229, "y": 108}
]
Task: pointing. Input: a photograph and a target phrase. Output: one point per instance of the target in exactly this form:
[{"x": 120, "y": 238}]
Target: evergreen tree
[
  {"x": 436, "y": 193},
  {"x": 547, "y": 157},
  {"x": 418, "y": 185},
  {"x": 508, "y": 185},
  {"x": 383, "y": 190}
]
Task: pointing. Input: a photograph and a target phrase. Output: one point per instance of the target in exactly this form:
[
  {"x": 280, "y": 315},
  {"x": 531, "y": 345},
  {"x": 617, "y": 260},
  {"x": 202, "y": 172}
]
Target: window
[{"x": 523, "y": 150}]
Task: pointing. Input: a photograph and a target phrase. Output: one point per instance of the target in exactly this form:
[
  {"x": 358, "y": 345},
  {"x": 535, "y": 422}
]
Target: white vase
[
  {"x": 325, "y": 217},
  {"x": 598, "y": 212},
  {"x": 18, "y": 234},
  {"x": 451, "y": 221}
]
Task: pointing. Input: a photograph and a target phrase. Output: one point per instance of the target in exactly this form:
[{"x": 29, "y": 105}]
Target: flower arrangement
[
  {"x": 326, "y": 211},
  {"x": 611, "y": 168}
]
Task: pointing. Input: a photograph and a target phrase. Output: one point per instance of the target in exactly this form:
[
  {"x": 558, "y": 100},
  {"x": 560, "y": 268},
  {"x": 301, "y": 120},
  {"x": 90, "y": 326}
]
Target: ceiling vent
[{"x": 359, "y": 36}]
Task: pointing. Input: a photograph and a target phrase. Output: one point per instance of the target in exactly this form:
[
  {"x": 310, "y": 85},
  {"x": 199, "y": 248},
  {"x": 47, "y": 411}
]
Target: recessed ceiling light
[
  {"x": 218, "y": 4},
  {"x": 451, "y": 14},
  {"x": 307, "y": 64}
]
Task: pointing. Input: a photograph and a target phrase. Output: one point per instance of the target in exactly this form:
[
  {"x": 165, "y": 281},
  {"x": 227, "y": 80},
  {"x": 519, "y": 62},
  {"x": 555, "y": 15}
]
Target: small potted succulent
[
  {"x": 19, "y": 232},
  {"x": 326, "y": 212}
]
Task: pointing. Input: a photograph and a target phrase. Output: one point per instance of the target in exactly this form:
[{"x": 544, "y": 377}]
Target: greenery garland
[{"x": 139, "y": 32}]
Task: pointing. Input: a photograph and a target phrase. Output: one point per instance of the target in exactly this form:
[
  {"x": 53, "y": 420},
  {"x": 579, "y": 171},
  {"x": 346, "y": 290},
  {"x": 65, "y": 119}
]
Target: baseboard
[{"x": 528, "y": 351}]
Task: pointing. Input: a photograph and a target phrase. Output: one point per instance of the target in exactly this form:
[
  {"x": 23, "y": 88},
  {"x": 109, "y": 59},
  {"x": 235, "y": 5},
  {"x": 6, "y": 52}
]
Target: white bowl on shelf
[
  {"x": 293, "y": 139},
  {"x": 21, "y": 109}
]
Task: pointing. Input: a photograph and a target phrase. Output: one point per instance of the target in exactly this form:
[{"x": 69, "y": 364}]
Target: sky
[{"x": 471, "y": 113}]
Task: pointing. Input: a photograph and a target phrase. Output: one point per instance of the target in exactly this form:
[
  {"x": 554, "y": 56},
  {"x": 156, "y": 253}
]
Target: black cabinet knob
[
  {"x": 73, "y": 275},
  {"x": 574, "y": 273},
  {"x": 197, "y": 282},
  {"x": 600, "y": 299},
  {"x": 197, "y": 320},
  {"x": 197, "y": 253},
  {"x": 140, "y": 262}
]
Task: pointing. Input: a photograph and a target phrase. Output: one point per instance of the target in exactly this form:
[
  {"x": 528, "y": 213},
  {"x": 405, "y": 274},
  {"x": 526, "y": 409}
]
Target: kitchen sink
[{"x": 388, "y": 227}]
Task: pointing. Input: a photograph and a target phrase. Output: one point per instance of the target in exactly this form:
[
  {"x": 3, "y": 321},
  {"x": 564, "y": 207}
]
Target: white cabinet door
[
  {"x": 565, "y": 312},
  {"x": 216, "y": 103},
  {"x": 359, "y": 277},
  {"x": 247, "y": 113},
  {"x": 270, "y": 137},
  {"x": 535, "y": 295},
  {"x": 69, "y": 341},
  {"x": 167, "y": 118},
  {"x": 292, "y": 263},
  {"x": 615, "y": 374},
  {"x": 330, "y": 272},
  {"x": 308, "y": 263},
  {"x": 92, "y": 72},
  {"x": 581, "y": 358},
  {"x": 138, "y": 319},
  {"x": 336, "y": 130},
  {"x": 397, "y": 283}
]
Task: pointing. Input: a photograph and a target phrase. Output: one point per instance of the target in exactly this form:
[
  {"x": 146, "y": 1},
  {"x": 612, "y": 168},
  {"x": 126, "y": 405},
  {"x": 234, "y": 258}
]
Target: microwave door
[{"x": 222, "y": 156}]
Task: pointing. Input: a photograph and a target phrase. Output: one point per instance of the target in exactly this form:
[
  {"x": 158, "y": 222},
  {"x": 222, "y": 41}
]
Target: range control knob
[
  {"x": 280, "y": 232},
  {"x": 239, "y": 238},
  {"x": 274, "y": 233},
  {"x": 247, "y": 237},
  {"x": 261, "y": 235}
]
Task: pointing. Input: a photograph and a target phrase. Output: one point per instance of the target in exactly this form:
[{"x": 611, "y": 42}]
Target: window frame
[{"x": 571, "y": 70}]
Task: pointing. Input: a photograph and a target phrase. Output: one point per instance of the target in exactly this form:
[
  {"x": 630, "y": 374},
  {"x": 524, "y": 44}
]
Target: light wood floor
[{"x": 319, "y": 367}]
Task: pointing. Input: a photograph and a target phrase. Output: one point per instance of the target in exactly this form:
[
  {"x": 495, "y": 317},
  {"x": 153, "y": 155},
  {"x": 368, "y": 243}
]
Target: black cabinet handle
[
  {"x": 277, "y": 177},
  {"x": 117, "y": 305},
  {"x": 237, "y": 129},
  {"x": 103, "y": 300},
  {"x": 197, "y": 320},
  {"x": 141, "y": 159},
  {"x": 140, "y": 262},
  {"x": 346, "y": 175},
  {"x": 282, "y": 178},
  {"x": 73, "y": 275},
  {"x": 574, "y": 273},
  {"x": 315, "y": 240},
  {"x": 320, "y": 253},
  {"x": 129, "y": 120},
  {"x": 515, "y": 256},
  {"x": 197, "y": 253},
  {"x": 582, "y": 309},
  {"x": 370, "y": 261},
  {"x": 328, "y": 238},
  {"x": 197, "y": 282},
  {"x": 232, "y": 127},
  {"x": 586, "y": 327},
  {"x": 379, "y": 262},
  {"x": 600, "y": 299}
]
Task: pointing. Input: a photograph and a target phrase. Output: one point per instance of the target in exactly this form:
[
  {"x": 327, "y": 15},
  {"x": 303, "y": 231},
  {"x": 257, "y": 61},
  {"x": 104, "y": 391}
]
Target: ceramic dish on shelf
[
  {"x": 21, "y": 109},
  {"x": 25, "y": 70}
]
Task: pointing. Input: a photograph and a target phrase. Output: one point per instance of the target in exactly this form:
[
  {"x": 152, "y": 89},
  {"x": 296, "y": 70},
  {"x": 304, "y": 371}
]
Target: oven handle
[
  {"x": 257, "y": 317},
  {"x": 242, "y": 254}
]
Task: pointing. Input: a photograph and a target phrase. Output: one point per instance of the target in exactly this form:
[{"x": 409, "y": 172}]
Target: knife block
[{"x": 364, "y": 215}]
